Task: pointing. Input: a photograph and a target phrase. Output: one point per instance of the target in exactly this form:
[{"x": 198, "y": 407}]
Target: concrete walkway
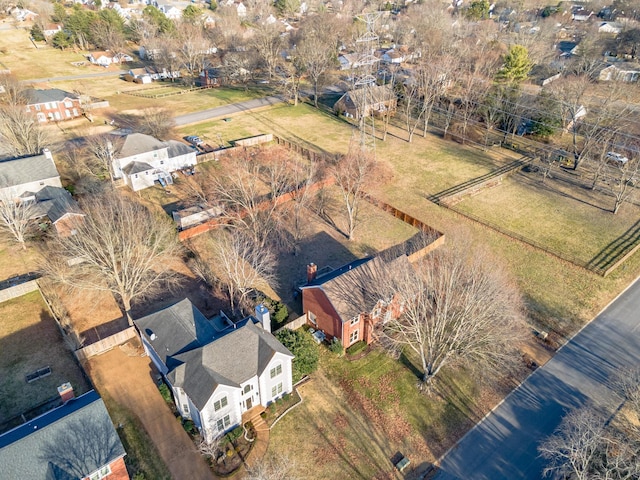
[{"x": 129, "y": 380}]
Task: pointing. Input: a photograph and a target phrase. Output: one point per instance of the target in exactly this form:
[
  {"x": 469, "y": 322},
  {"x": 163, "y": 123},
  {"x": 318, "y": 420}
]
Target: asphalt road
[
  {"x": 110, "y": 73},
  {"x": 504, "y": 445},
  {"x": 226, "y": 110}
]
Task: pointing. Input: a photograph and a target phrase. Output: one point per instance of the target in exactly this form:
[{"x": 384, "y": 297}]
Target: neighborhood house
[
  {"x": 53, "y": 105},
  {"x": 74, "y": 441},
  {"x": 342, "y": 304},
  {"x": 217, "y": 369},
  {"x": 36, "y": 180},
  {"x": 141, "y": 160}
]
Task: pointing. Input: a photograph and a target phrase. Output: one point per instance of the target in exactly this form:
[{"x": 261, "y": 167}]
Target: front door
[{"x": 248, "y": 402}]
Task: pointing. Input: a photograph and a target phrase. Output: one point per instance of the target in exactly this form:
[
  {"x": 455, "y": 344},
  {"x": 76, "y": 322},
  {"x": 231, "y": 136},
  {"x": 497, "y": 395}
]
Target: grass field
[
  {"x": 559, "y": 296},
  {"x": 26, "y": 61},
  {"x": 356, "y": 416},
  {"x": 14, "y": 260},
  {"x": 30, "y": 340}
]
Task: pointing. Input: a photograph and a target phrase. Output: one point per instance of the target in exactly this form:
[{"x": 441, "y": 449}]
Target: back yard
[
  {"x": 30, "y": 340},
  {"x": 559, "y": 296}
]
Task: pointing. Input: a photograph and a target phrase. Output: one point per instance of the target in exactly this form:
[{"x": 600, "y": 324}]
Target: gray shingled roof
[
  {"x": 229, "y": 360},
  {"x": 178, "y": 148},
  {"x": 69, "y": 442},
  {"x": 137, "y": 167},
  {"x": 178, "y": 328},
  {"x": 350, "y": 290},
  {"x": 18, "y": 171},
  {"x": 138, "y": 143},
  {"x": 49, "y": 95},
  {"x": 56, "y": 202}
]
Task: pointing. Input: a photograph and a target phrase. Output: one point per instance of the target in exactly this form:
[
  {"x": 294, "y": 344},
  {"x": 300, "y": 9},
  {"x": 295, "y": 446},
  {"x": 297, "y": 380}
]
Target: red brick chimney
[
  {"x": 312, "y": 272},
  {"x": 66, "y": 392}
]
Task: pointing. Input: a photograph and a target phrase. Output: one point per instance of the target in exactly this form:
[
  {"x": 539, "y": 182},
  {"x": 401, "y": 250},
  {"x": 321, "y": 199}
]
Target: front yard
[{"x": 357, "y": 415}]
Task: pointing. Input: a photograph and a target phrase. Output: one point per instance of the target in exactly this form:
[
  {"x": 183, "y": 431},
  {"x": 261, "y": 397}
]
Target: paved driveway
[
  {"x": 128, "y": 379},
  {"x": 504, "y": 445},
  {"x": 226, "y": 110}
]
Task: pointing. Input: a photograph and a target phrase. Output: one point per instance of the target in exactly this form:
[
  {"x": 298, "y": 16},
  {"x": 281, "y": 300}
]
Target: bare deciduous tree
[
  {"x": 278, "y": 467},
  {"x": 587, "y": 445},
  {"x": 268, "y": 44},
  {"x": 572, "y": 448},
  {"x": 119, "y": 247},
  {"x": 242, "y": 266},
  {"x": 459, "y": 306},
  {"x": 16, "y": 219},
  {"x": 102, "y": 149},
  {"x": 157, "y": 122},
  {"x": 351, "y": 174},
  {"x": 22, "y": 132}
]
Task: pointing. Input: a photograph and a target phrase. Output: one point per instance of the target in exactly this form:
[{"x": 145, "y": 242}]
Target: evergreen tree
[{"x": 516, "y": 66}]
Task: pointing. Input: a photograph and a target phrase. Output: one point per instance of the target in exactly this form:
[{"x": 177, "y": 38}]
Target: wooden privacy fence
[
  {"x": 18, "y": 290},
  {"x": 284, "y": 198},
  {"x": 438, "y": 236},
  {"x": 105, "y": 344}
]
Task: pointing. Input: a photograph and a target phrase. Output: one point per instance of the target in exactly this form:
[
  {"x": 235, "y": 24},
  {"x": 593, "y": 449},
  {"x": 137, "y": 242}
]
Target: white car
[{"x": 617, "y": 158}]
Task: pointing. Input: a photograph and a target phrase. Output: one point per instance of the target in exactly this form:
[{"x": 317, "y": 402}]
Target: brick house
[
  {"x": 342, "y": 304},
  {"x": 53, "y": 105},
  {"x": 76, "y": 440}
]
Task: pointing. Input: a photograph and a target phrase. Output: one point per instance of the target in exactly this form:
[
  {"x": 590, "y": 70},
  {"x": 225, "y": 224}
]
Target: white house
[
  {"x": 610, "y": 27},
  {"x": 170, "y": 11},
  {"x": 621, "y": 72},
  {"x": 141, "y": 160},
  {"x": 27, "y": 175},
  {"x": 217, "y": 370},
  {"x": 106, "y": 58}
]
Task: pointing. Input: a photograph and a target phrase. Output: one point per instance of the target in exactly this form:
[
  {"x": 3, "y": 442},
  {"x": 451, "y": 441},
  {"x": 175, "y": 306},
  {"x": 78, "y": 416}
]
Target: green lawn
[
  {"x": 356, "y": 415},
  {"x": 559, "y": 296}
]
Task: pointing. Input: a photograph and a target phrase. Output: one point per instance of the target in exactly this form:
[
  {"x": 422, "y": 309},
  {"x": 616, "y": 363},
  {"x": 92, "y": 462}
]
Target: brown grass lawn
[
  {"x": 26, "y": 61},
  {"x": 29, "y": 340},
  {"x": 356, "y": 416},
  {"x": 14, "y": 260}
]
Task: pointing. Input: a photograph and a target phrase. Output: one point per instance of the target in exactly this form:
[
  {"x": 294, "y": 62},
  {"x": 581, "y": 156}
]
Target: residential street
[
  {"x": 226, "y": 110},
  {"x": 504, "y": 445}
]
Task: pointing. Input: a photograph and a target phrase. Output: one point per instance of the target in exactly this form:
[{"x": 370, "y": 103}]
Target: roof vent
[{"x": 153, "y": 336}]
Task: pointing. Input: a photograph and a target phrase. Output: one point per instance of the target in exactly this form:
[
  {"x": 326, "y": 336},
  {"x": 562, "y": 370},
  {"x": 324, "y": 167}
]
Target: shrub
[
  {"x": 286, "y": 397},
  {"x": 356, "y": 347},
  {"x": 336, "y": 347},
  {"x": 165, "y": 391},
  {"x": 303, "y": 348},
  {"x": 189, "y": 426},
  {"x": 272, "y": 408},
  {"x": 236, "y": 433}
]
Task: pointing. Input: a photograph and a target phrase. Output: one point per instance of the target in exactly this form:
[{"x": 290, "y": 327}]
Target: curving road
[{"x": 504, "y": 444}]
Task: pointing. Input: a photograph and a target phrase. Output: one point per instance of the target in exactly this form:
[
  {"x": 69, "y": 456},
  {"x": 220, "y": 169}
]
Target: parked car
[
  {"x": 194, "y": 140},
  {"x": 617, "y": 158}
]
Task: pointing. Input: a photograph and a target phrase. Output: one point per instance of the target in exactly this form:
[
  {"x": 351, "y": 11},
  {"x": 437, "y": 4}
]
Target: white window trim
[
  {"x": 276, "y": 371},
  {"x": 353, "y": 336}
]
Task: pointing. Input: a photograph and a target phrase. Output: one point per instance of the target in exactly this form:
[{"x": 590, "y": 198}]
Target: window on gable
[
  {"x": 185, "y": 407},
  {"x": 275, "y": 371},
  {"x": 247, "y": 388},
  {"x": 218, "y": 404},
  {"x": 355, "y": 320},
  {"x": 223, "y": 423}
]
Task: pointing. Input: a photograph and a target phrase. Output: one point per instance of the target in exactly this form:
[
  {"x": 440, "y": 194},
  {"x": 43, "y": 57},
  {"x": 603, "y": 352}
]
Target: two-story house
[
  {"x": 217, "y": 369},
  {"x": 35, "y": 179},
  {"x": 76, "y": 440},
  {"x": 345, "y": 304},
  {"x": 141, "y": 160},
  {"x": 53, "y": 105}
]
